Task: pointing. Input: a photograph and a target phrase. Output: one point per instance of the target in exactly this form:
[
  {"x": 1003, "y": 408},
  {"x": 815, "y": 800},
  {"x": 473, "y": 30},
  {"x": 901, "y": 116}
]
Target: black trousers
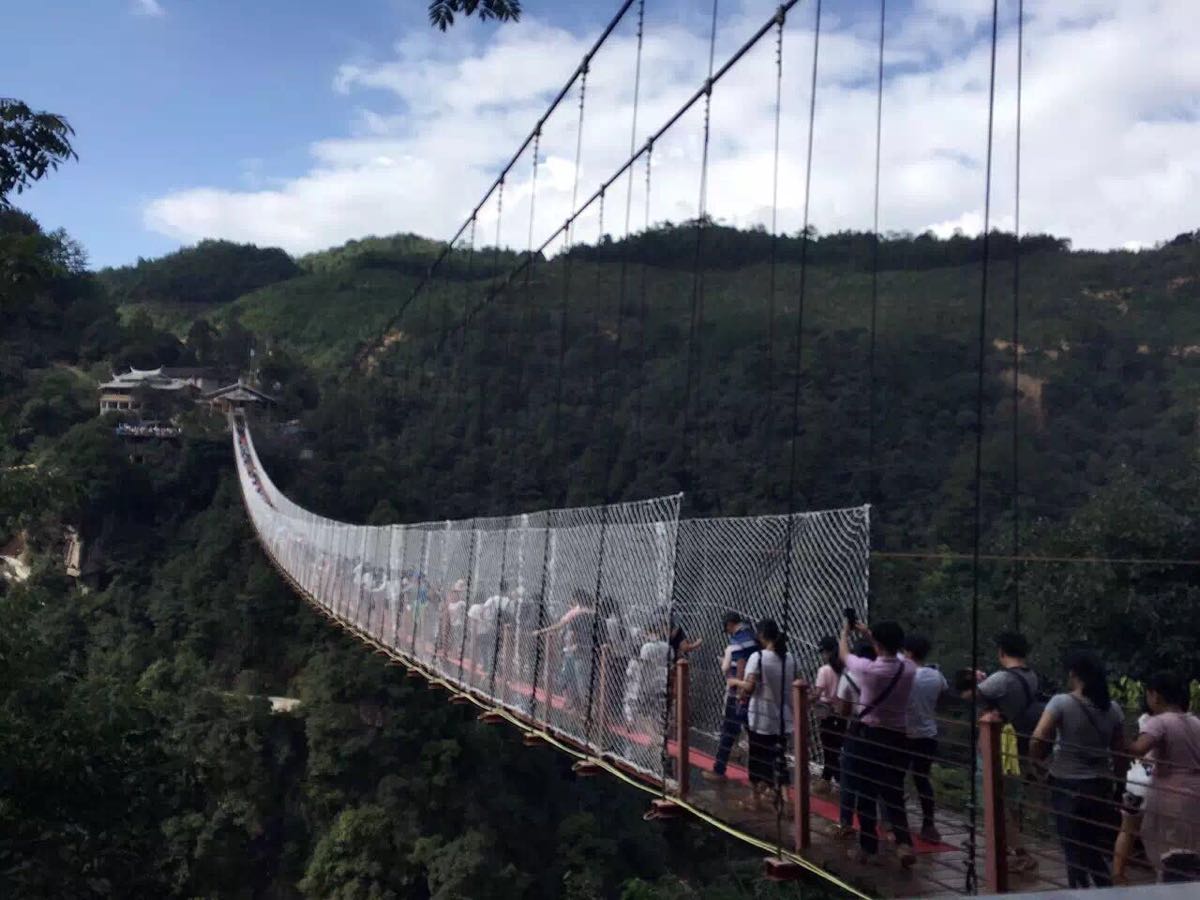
[
  {"x": 731, "y": 729},
  {"x": 1082, "y": 806},
  {"x": 880, "y": 762},
  {"x": 921, "y": 753}
]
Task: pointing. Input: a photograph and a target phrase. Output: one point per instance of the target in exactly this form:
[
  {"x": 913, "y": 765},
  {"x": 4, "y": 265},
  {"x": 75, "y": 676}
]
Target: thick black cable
[
  {"x": 1018, "y": 570},
  {"x": 671, "y": 121},
  {"x": 790, "y": 536},
  {"x": 694, "y": 321},
  {"x": 579, "y": 72},
  {"x": 972, "y": 880},
  {"x": 872, "y": 473}
]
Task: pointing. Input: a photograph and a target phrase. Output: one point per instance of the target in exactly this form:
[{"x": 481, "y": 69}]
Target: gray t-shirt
[
  {"x": 1085, "y": 733},
  {"x": 1003, "y": 691}
]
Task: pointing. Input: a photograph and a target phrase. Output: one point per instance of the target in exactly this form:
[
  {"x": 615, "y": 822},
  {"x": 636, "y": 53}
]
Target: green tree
[
  {"x": 31, "y": 144},
  {"x": 442, "y": 12}
]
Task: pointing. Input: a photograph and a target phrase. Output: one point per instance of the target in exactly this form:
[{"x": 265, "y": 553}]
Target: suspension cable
[
  {"x": 618, "y": 368},
  {"x": 1018, "y": 570},
  {"x": 482, "y": 416},
  {"x": 671, "y": 121},
  {"x": 642, "y": 317},
  {"x": 528, "y": 323},
  {"x": 972, "y": 881},
  {"x": 369, "y": 348},
  {"x": 872, "y": 473},
  {"x": 694, "y": 321},
  {"x": 566, "y": 289},
  {"x": 796, "y": 389},
  {"x": 780, "y": 17},
  {"x": 781, "y": 763}
]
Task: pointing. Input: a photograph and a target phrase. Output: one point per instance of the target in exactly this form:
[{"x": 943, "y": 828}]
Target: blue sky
[{"x": 304, "y": 122}]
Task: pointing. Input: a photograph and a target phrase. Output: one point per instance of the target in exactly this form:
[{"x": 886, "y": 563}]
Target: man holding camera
[{"x": 876, "y": 737}]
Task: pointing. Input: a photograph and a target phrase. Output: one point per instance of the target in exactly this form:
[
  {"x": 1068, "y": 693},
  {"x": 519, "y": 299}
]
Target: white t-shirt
[
  {"x": 928, "y": 685},
  {"x": 849, "y": 691},
  {"x": 771, "y": 675}
]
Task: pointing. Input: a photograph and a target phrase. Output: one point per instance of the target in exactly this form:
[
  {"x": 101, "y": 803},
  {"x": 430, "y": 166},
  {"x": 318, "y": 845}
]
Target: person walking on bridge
[
  {"x": 742, "y": 645},
  {"x": 877, "y": 736},
  {"x": 767, "y": 687},
  {"x": 928, "y": 686},
  {"x": 1171, "y": 826},
  {"x": 1085, "y": 727}
]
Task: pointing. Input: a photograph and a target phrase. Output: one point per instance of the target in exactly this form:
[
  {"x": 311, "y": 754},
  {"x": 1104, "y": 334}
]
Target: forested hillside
[
  {"x": 139, "y": 757},
  {"x": 138, "y": 754}
]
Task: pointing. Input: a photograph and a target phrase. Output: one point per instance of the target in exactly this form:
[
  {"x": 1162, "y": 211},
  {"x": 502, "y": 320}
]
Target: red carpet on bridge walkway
[{"x": 826, "y": 809}]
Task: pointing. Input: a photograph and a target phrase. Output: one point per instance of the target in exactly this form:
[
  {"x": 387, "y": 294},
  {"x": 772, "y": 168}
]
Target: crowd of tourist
[{"x": 876, "y": 698}]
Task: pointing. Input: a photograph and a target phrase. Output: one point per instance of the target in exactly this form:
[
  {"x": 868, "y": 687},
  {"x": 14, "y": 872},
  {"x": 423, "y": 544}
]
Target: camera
[{"x": 851, "y": 617}]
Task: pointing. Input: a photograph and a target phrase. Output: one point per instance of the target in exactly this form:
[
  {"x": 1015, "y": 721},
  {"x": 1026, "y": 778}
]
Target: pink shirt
[
  {"x": 1176, "y": 744},
  {"x": 825, "y": 687},
  {"x": 873, "y": 676}
]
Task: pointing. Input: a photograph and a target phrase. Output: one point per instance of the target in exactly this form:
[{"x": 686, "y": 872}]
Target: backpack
[{"x": 1027, "y": 719}]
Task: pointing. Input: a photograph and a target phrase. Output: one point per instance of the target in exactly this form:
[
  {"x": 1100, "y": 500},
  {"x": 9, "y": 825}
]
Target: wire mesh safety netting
[
  {"x": 741, "y": 565},
  {"x": 566, "y": 617}
]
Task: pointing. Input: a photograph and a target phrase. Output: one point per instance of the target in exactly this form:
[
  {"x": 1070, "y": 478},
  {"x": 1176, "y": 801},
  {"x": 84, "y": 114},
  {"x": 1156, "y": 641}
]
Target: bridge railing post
[
  {"x": 990, "y": 734},
  {"x": 802, "y": 800},
  {"x": 682, "y": 728}
]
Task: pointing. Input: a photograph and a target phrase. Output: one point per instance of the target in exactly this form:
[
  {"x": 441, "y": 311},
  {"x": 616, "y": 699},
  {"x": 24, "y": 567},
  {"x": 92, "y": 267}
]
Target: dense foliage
[
  {"x": 31, "y": 145},
  {"x": 139, "y": 757},
  {"x": 209, "y": 273},
  {"x": 138, "y": 754}
]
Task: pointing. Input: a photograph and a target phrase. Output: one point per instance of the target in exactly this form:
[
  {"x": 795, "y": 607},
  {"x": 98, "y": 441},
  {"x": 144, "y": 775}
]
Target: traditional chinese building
[
  {"x": 237, "y": 396},
  {"x": 121, "y": 394}
]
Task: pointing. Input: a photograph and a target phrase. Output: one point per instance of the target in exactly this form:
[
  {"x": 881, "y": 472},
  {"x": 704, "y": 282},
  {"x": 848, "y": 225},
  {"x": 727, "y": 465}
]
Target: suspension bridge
[{"x": 574, "y": 625}]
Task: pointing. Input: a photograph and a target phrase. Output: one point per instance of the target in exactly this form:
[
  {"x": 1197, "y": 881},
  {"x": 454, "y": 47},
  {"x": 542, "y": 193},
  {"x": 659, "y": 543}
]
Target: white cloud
[
  {"x": 1111, "y": 131},
  {"x": 148, "y": 8}
]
